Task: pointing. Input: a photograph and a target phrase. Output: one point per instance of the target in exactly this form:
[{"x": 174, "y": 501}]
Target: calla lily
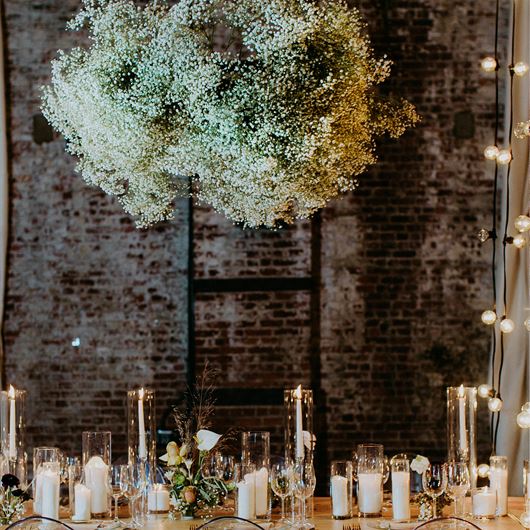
[
  {"x": 207, "y": 440},
  {"x": 420, "y": 464},
  {"x": 172, "y": 457}
]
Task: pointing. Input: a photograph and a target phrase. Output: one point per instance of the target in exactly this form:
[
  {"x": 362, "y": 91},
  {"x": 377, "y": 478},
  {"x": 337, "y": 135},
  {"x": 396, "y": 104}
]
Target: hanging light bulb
[
  {"x": 507, "y": 325},
  {"x": 519, "y": 241},
  {"x": 527, "y": 324},
  {"x": 522, "y": 223},
  {"x": 484, "y": 391},
  {"x": 504, "y": 157},
  {"x": 523, "y": 418},
  {"x": 488, "y": 64},
  {"x": 522, "y": 130},
  {"x": 489, "y": 317},
  {"x": 483, "y": 470},
  {"x": 495, "y": 404},
  {"x": 491, "y": 152},
  {"x": 520, "y": 68},
  {"x": 483, "y": 235}
]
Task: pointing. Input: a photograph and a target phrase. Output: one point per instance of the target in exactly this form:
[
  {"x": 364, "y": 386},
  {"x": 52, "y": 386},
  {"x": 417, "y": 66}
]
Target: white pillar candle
[
  {"x": 246, "y": 498},
  {"x": 49, "y": 489},
  {"x": 462, "y": 418},
  {"x": 142, "y": 447},
  {"x": 97, "y": 479},
  {"x": 339, "y": 496},
  {"x": 158, "y": 499},
  {"x": 83, "y": 503},
  {"x": 262, "y": 492},
  {"x": 401, "y": 495},
  {"x": 299, "y": 425},
  {"x": 484, "y": 503},
  {"x": 12, "y": 423},
  {"x": 499, "y": 484},
  {"x": 370, "y": 492}
]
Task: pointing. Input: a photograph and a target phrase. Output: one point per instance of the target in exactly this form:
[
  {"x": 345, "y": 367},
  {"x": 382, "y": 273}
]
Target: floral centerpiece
[
  {"x": 12, "y": 499},
  {"x": 269, "y": 126},
  {"x": 194, "y": 489}
]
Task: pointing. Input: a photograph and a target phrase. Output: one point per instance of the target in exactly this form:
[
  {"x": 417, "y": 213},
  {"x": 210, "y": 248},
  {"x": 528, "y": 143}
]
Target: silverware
[
  {"x": 346, "y": 527},
  {"x": 356, "y": 526}
]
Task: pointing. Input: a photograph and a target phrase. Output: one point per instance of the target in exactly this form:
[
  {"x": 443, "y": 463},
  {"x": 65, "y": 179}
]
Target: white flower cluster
[{"x": 269, "y": 127}]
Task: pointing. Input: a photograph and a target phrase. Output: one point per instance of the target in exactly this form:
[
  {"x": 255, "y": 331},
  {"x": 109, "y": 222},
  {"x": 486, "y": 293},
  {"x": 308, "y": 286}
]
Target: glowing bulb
[
  {"x": 491, "y": 152},
  {"x": 519, "y": 241},
  {"x": 507, "y": 325},
  {"x": 483, "y": 470},
  {"x": 488, "y": 64},
  {"x": 522, "y": 130},
  {"x": 520, "y": 68},
  {"x": 504, "y": 157},
  {"x": 489, "y": 317},
  {"x": 495, "y": 404},
  {"x": 527, "y": 324},
  {"x": 525, "y": 519},
  {"x": 483, "y": 235},
  {"x": 523, "y": 418},
  {"x": 522, "y": 223},
  {"x": 484, "y": 391}
]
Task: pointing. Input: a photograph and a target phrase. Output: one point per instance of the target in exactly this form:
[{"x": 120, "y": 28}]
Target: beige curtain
[
  {"x": 512, "y": 441},
  {"x": 4, "y": 191}
]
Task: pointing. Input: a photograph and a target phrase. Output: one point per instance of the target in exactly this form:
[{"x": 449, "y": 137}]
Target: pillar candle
[
  {"x": 339, "y": 496},
  {"x": 246, "y": 498},
  {"x": 262, "y": 492},
  {"x": 401, "y": 495},
  {"x": 158, "y": 499},
  {"x": 299, "y": 424},
  {"x": 12, "y": 423},
  {"x": 370, "y": 492},
  {"x": 83, "y": 503},
  {"x": 49, "y": 489},
  {"x": 499, "y": 484},
  {"x": 96, "y": 478},
  {"x": 484, "y": 503}
]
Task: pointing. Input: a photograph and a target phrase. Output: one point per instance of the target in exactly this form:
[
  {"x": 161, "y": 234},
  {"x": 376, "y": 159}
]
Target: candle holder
[
  {"x": 299, "y": 436},
  {"x": 74, "y": 470},
  {"x": 97, "y": 458},
  {"x": 483, "y": 503},
  {"x": 341, "y": 489},
  {"x": 499, "y": 482},
  {"x": 141, "y": 431},
  {"x": 462, "y": 428},
  {"x": 256, "y": 449},
  {"x": 158, "y": 499},
  {"x": 46, "y": 481},
  {"x": 13, "y": 431},
  {"x": 400, "y": 469},
  {"x": 245, "y": 492}
]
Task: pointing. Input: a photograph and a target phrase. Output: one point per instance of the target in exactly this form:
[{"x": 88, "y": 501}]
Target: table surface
[{"x": 323, "y": 521}]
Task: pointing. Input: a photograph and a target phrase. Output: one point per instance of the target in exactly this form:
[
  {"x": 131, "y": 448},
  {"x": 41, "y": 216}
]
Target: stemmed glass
[
  {"x": 225, "y": 471},
  {"x": 118, "y": 473},
  {"x": 133, "y": 484},
  {"x": 458, "y": 484},
  {"x": 434, "y": 482},
  {"x": 304, "y": 482},
  {"x": 281, "y": 482}
]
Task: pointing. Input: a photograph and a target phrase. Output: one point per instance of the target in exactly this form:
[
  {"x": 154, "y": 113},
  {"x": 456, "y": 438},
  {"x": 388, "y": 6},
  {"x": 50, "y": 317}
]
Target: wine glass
[
  {"x": 117, "y": 472},
  {"x": 281, "y": 482},
  {"x": 434, "y": 481},
  {"x": 133, "y": 483},
  {"x": 225, "y": 471},
  {"x": 304, "y": 482},
  {"x": 458, "y": 484}
]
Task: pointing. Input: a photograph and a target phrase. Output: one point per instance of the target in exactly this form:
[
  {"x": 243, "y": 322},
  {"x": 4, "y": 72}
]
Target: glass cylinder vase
[
  {"x": 46, "y": 481},
  {"x": 141, "y": 427},
  {"x": 299, "y": 436},
  {"x": 370, "y": 469},
  {"x": 400, "y": 469},
  {"x": 341, "y": 489},
  {"x": 13, "y": 430},
  {"x": 462, "y": 428},
  {"x": 256, "y": 450},
  {"x": 97, "y": 458},
  {"x": 499, "y": 482}
]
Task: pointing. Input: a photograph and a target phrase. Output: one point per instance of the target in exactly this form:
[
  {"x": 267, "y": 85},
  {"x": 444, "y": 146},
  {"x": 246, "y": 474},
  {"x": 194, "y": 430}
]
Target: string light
[
  {"x": 485, "y": 391},
  {"x": 520, "y": 69},
  {"x": 522, "y": 130},
  {"x": 504, "y": 157},
  {"x": 483, "y": 470},
  {"x": 523, "y": 418},
  {"x": 519, "y": 241},
  {"x": 495, "y": 404},
  {"x": 489, "y": 64},
  {"x": 522, "y": 223},
  {"x": 483, "y": 235},
  {"x": 507, "y": 325},
  {"x": 489, "y": 317},
  {"x": 491, "y": 152}
]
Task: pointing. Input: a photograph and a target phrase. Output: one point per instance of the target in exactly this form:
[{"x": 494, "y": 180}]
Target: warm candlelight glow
[
  {"x": 11, "y": 392},
  {"x": 461, "y": 391},
  {"x": 298, "y": 392},
  {"x": 141, "y": 393}
]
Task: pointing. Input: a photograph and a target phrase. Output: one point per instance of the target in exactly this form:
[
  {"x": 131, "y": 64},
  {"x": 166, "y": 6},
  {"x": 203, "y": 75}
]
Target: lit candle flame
[
  {"x": 11, "y": 393},
  {"x": 298, "y": 392},
  {"x": 141, "y": 393},
  {"x": 461, "y": 391}
]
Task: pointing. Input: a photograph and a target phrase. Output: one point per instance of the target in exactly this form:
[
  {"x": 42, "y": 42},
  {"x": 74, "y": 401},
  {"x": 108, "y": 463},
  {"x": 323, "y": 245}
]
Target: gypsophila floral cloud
[{"x": 270, "y": 126}]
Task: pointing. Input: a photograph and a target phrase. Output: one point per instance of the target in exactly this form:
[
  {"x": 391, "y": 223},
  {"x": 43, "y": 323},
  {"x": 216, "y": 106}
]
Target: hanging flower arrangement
[{"x": 268, "y": 107}]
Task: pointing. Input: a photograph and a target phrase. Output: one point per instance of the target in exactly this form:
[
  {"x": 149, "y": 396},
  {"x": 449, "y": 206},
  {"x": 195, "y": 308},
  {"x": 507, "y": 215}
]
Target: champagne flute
[
  {"x": 304, "y": 482},
  {"x": 281, "y": 482},
  {"x": 458, "y": 484},
  {"x": 434, "y": 481},
  {"x": 117, "y": 491},
  {"x": 132, "y": 480}
]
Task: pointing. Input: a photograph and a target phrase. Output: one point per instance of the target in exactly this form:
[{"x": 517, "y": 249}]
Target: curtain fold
[{"x": 512, "y": 441}]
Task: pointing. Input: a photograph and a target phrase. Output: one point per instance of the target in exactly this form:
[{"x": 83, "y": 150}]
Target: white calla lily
[{"x": 207, "y": 440}]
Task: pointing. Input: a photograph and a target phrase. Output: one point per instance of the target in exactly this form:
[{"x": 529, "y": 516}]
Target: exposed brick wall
[{"x": 403, "y": 277}]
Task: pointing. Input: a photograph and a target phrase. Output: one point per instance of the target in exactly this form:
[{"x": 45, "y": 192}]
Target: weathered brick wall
[{"x": 403, "y": 277}]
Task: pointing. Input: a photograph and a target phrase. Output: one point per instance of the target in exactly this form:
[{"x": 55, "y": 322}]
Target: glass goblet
[
  {"x": 434, "y": 481},
  {"x": 281, "y": 482},
  {"x": 458, "y": 484},
  {"x": 117, "y": 491},
  {"x": 304, "y": 482}
]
